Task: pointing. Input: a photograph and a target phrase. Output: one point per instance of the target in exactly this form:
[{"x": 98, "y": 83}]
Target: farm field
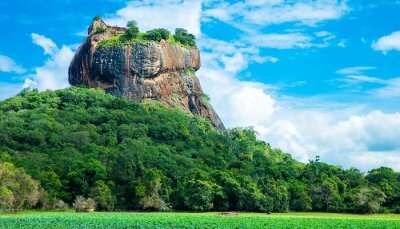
[{"x": 195, "y": 220}]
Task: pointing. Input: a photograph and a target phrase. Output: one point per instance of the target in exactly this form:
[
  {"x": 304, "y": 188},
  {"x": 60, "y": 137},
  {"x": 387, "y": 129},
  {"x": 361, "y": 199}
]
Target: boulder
[{"x": 142, "y": 70}]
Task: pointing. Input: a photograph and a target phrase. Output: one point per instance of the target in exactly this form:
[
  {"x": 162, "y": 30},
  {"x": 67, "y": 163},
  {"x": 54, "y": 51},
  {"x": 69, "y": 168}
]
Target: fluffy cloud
[
  {"x": 8, "y": 65},
  {"x": 234, "y": 56},
  {"x": 54, "y": 73},
  {"x": 388, "y": 43},
  {"x": 344, "y": 134},
  {"x": 239, "y": 103},
  {"x": 168, "y": 14},
  {"x": 311, "y": 132}
]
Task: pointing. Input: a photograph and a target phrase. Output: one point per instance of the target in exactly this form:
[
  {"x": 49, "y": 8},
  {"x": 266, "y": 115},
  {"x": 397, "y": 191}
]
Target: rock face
[{"x": 149, "y": 70}]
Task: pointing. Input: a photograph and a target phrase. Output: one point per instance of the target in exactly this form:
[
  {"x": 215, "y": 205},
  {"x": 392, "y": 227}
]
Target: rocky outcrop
[{"x": 145, "y": 70}]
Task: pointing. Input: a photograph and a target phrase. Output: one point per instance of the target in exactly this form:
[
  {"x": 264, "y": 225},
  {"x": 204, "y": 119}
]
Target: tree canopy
[{"x": 124, "y": 155}]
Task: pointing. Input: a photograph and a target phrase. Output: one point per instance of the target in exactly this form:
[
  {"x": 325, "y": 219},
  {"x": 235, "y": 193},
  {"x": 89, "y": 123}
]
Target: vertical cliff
[{"x": 141, "y": 70}]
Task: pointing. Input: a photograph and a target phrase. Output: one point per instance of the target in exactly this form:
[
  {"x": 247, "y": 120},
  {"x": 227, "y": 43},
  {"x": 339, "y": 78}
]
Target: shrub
[
  {"x": 99, "y": 30},
  {"x": 102, "y": 194},
  {"x": 157, "y": 34},
  {"x": 182, "y": 36},
  {"x": 60, "y": 205},
  {"x": 133, "y": 30},
  {"x": 17, "y": 189},
  {"x": 84, "y": 205},
  {"x": 368, "y": 200},
  {"x": 199, "y": 195},
  {"x": 153, "y": 203},
  {"x": 189, "y": 71}
]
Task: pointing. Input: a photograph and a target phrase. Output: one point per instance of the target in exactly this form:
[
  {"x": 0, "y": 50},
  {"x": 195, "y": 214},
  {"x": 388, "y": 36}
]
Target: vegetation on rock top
[{"x": 133, "y": 35}]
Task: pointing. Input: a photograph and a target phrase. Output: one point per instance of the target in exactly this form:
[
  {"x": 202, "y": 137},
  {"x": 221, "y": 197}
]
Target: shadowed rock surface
[{"x": 146, "y": 70}]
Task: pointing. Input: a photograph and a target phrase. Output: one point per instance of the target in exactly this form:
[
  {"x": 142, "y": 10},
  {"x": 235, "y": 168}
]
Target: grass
[{"x": 195, "y": 220}]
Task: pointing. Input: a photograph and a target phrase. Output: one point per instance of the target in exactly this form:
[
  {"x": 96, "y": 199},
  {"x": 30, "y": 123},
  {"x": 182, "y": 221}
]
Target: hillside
[{"x": 146, "y": 156}]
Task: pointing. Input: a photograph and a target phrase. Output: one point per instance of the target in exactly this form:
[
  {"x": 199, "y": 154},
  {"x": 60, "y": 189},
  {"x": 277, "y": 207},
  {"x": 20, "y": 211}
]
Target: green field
[{"x": 195, "y": 220}]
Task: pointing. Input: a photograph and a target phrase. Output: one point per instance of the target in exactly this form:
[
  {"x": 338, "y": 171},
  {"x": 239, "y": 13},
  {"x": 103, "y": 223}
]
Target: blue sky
[{"x": 315, "y": 77}]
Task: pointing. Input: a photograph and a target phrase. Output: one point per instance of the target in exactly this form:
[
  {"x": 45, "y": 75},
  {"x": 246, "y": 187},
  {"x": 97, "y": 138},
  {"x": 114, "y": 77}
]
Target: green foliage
[
  {"x": 182, "y": 36},
  {"x": 367, "y": 200},
  {"x": 133, "y": 30},
  {"x": 388, "y": 181},
  {"x": 199, "y": 195},
  {"x": 96, "y": 18},
  {"x": 144, "y": 156},
  {"x": 99, "y": 30},
  {"x": 17, "y": 189},
  {"x": 103, "y": 196},
  {"x": 189, "y": 72},
  {"x": 299, "y": 198},
  {"x": 205, "y": 99},
  {"x": 133, "y": 35},
  {"x": 157, "y": 35}
]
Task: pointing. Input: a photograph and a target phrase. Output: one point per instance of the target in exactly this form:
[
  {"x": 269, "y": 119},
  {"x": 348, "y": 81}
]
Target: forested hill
[{"x": 144, "y": 156}]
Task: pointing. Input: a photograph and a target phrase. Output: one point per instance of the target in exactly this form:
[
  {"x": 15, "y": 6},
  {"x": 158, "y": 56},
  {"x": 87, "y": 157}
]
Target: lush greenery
[
  {"x": 193, "y": 220},
  {"x": 144, "y": 156},
  {"x": 133, "y": 35}
]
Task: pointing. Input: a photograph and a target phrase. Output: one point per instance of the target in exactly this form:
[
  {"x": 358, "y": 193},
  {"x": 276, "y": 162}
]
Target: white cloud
[
  {"x": 282, "y": 41},
  {"x": 168, "y": 14},
  {"x": 384, "y": 88},
  {"x": 390, "y": 90},
  {"x": 47, "y": 44},
  {"x": 344, "y": 134},
  {"x": 271, "y": 59},
  {"x": 358, "y": 79},
  {"x": 263, "y": 12},
  {"x": 8, "y": 65},
  {"x": 54, "y": 73},
  {"x": 342, "y": 44},
  {"x": 355, "y": 70},
  {"x": 234, "y": 63},
  {"x": 323, "y": 34},
  {"x": 388, "y": 43},
  {"x": 234, "y": 56}
]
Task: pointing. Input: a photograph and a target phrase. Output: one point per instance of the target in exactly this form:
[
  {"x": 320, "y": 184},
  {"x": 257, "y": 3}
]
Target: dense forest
[{"x": 56, "y": 146}]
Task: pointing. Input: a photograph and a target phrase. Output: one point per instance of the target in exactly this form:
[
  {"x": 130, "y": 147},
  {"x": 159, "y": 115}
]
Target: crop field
[{"x": 195, "y": 220}]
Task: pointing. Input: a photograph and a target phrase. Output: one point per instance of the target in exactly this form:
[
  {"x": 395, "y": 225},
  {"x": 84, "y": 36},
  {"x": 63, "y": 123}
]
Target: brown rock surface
[{"x": 149, "y": 70}]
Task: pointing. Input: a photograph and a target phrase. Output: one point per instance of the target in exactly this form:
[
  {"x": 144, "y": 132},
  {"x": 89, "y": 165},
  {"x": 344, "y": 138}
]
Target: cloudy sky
[{"x": 312, "y": 77}]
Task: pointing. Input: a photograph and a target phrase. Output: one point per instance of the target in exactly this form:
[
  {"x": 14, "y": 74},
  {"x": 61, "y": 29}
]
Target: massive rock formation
[{"x": 145, "y": 70}]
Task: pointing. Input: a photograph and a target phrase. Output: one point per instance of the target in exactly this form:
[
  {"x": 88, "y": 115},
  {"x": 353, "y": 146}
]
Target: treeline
[{"x": 143, "y": 156}]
